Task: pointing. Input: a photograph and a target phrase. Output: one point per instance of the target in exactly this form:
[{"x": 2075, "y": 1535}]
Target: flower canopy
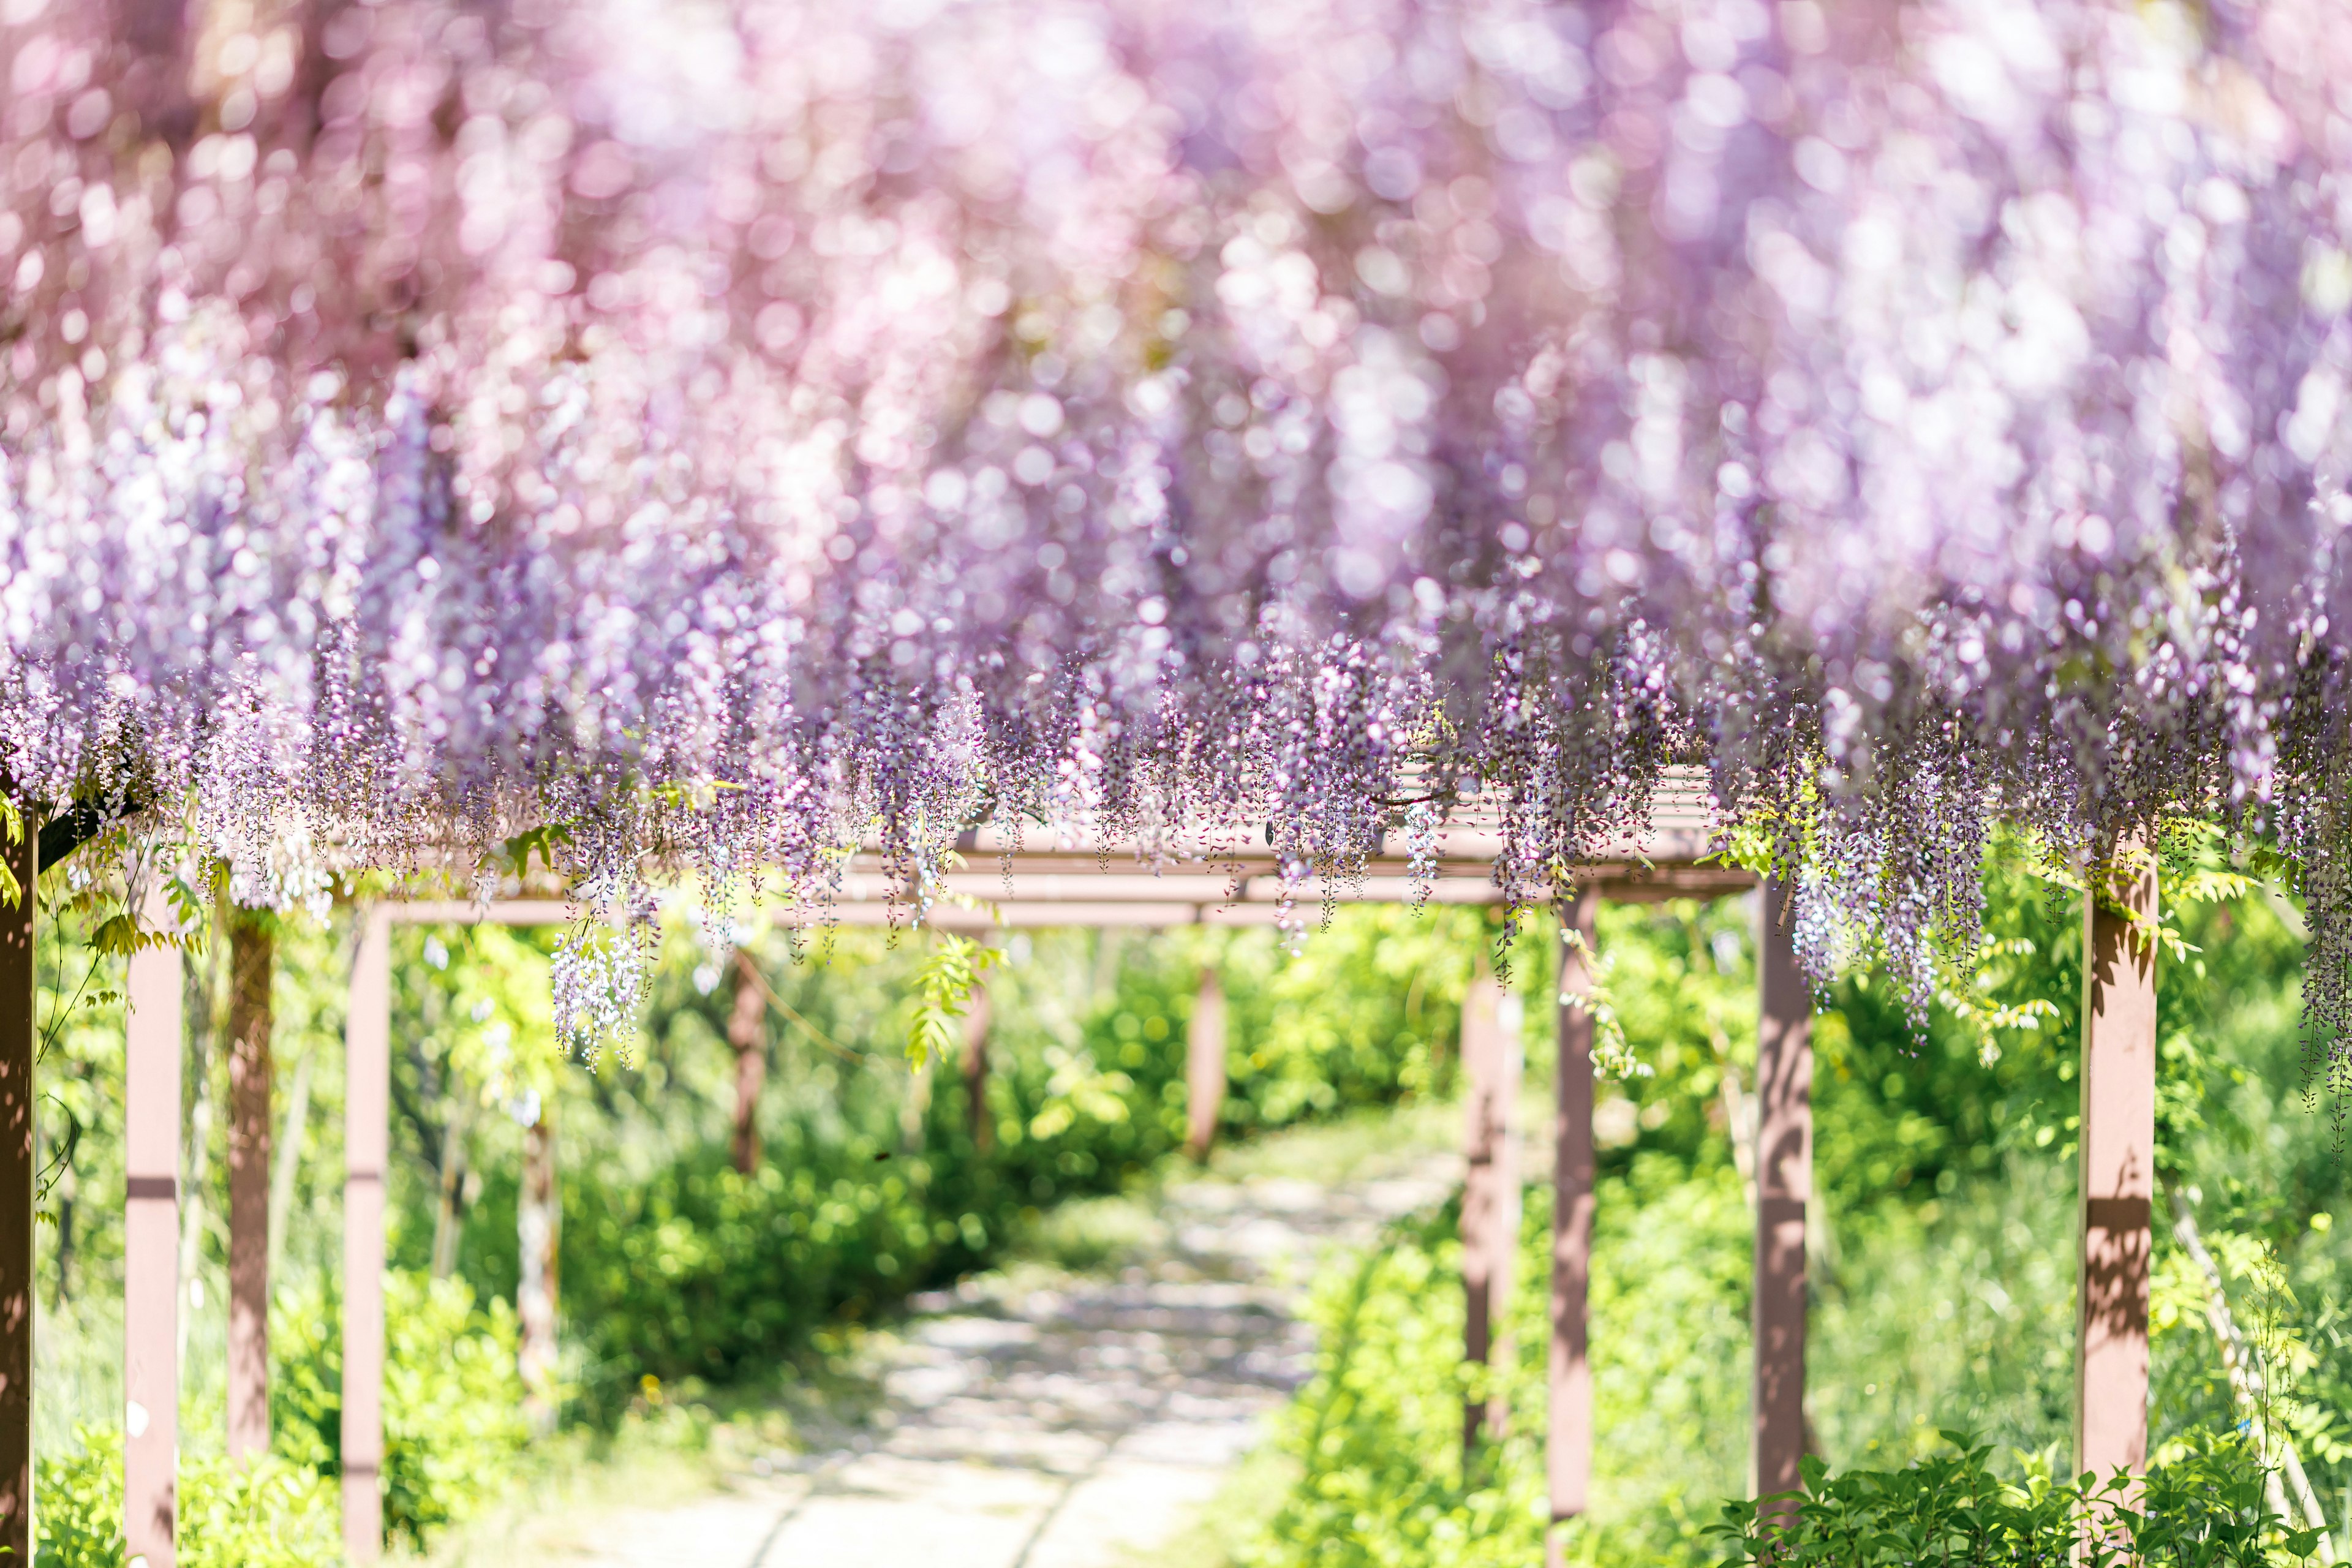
[{"x": 732, "y": 429}]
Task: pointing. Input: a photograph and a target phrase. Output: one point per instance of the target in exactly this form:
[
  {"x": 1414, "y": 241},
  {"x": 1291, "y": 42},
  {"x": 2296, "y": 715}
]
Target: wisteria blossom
[{"x": 735, "y": 430}]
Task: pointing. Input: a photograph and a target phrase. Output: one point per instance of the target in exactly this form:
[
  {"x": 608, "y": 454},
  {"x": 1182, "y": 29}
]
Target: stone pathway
[{"x": 1071, "y": 1425}]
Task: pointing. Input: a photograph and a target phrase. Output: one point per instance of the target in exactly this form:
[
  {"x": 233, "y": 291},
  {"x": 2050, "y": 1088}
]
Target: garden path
[{"x": 1075, "y": 1420}]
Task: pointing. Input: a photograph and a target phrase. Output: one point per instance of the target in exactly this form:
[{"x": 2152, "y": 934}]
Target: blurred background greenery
[{"x": 1943, "y": 1273}]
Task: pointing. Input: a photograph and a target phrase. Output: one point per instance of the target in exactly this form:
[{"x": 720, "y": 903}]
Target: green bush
[
  {"x": 1377, "y": 1432},
  {"x": 2204, "y": 1508},
  {"x": 271, "y": 1514},
  {"x": 452, "y": 1399}
]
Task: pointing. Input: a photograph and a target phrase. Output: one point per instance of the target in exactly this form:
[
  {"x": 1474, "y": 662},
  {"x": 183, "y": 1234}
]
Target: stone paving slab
[{"x": 1064, "y": 1427}]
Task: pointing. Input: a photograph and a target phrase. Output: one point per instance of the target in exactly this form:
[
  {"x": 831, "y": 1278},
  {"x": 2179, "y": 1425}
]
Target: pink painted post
[
  {"x": 1567, "y": 1447},
  {"x": 151, "y": 1246},
  {"x": 2118, "y": 1152},
  {"x": 1490, "y": 1194},
  {"x": 367, "y": 1098},
  {"x": 253, "y": 966},
  {"x": 18, "y": 998},
  {"x": 1784, "y": 1185},
  {"x": 1204, "y": 1067},
  {"x": 539, "y": 1213}
]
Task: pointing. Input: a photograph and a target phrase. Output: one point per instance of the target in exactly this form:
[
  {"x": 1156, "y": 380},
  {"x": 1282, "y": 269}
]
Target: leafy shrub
[
  {"x": 271, "y": 1514},
  {"x": 452, "y": 1398},
  {"x": 2204, "y": 1508},
  {"x": 1376, "y": 1433}
]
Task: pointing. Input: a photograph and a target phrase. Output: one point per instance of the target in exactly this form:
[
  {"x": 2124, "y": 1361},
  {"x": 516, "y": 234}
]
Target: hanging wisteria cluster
[{"x": 733, "y": 430}]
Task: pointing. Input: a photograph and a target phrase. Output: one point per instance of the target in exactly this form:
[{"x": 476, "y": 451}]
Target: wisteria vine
[{"x": 738, "y": 430}]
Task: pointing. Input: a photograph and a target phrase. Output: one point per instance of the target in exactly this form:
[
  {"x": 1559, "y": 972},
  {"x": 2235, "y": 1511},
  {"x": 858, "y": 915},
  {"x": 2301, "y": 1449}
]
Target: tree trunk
[
  {"x": 150, "y": 1287},
  {"x": 975, "y": 1073},
  {"x": 1568, "y": 1440},
  {"x": 252, "y": 966},
  {"x": 2118, "y": 1170},
  {"x": 19, "y": 1026},
  {"x": 1784, "y": 1187},
  {"x": 746, "y": 1034},
  {"x": 1490, "y": 1196},
  {"x": 539, "y": 1217}
]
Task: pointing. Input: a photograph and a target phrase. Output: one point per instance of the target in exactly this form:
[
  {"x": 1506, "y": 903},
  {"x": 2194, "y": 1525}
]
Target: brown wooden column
[
  {"x": 1204, "y": 1067},
  {"x": 2118, "y": 1170},
  {"x": 1784, "y": 1185},
  {"x": 747, "y": 1032},
  {"x": 253, "y": 964},
  {"x": 367, "y": 1098},
  {"x": 976, "y": 1019},
  {"x": 150, "y": 1244},
  {"x": 540, "y": 1216},
  {"x": 1567, "y": 1445},
  {"x": 19, "y": 999},
  {"x": 1490, "y": 1194}
]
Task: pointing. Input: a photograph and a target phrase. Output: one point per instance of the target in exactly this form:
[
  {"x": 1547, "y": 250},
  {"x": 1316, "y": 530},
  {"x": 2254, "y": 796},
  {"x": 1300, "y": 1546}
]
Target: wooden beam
[
  {"x": 1490, "y": 1194},
  {"x": 252, "y": 965},
  {"x": 19, "y": 999},
  {"x": 1567, "y": 1445},
  {"x": 2118, "y": 1168},
  {"x": 150, "y": 1245},
  {"x": 367, "y": 1099},
  {"x": 1784, "y": 1186},
  {"x": 1205, "y": 1066}
]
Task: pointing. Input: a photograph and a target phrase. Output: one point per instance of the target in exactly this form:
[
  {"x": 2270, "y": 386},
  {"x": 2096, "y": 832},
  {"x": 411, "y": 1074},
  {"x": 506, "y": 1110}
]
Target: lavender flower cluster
[{"x": 739, "y": 428}]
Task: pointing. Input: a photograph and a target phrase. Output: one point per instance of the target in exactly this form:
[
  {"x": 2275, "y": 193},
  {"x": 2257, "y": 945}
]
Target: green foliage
[
  {"x": 1376, "y": 1433},
  {"x": 2203, "y": 1508},
  {"x": 943, "y": 989},
  {"x": 270, "y": 1514},
  {"x": 871, "y": 1181},
  {"x": 453, "y": 1425}
]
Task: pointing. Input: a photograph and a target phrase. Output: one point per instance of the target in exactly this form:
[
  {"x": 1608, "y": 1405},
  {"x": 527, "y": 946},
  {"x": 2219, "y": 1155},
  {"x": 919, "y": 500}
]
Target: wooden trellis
[{"x": 1068, "y": 880}]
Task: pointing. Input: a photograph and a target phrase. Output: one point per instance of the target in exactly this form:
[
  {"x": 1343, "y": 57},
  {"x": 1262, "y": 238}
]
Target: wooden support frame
[
  {"x": 153, "y": 990},
  {"x": 1490, "y": 1194},
  {"x": 253, "y": 968},
  {"x": 1568, "y": 1445},
  {"x": 2119, "y": 1167},
  {"x": 367, "y": 1127},
  {"x": 1066, "y": 885},
  {"x": 19, "y": 1000},
  {"x": 1784, "y": 1187}
]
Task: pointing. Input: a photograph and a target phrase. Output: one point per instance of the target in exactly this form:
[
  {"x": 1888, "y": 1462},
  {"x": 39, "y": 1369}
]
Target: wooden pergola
[{"x": 1068, "y": 878}]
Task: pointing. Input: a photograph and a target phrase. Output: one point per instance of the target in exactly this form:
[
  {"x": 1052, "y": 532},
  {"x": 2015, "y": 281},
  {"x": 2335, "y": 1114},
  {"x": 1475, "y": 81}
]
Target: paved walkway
[{"x": 1077, "y": 1425}]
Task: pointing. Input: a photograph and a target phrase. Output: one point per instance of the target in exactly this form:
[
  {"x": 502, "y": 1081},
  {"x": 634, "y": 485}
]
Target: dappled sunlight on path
[{"x": 1051, "y": 1420}]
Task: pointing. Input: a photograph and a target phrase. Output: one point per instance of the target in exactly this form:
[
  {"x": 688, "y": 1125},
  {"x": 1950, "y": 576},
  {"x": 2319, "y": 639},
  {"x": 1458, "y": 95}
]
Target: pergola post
[
  {"x": 1784, "y": 1185},
  {"x": 975, "y": 1070},
  {"x": 367, "y": 1097},
  {"x": 150, "y": 1244},
  {"x": 539, "y": 1213},
  {"x": 747, "y": 1032},
  {"x": 19, "y": 998},
  {"x": 1568, "y": 1444},
  {"x": 253, "y": 964},
  {"x": 1490, "y": 1194},
  {"x": 2119, "y": 1167},
  {"x": 1205, "y": 1066}
]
